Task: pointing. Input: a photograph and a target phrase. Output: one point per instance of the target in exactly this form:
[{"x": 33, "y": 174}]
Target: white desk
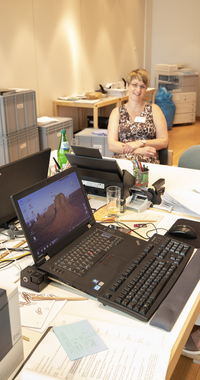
[{"x": 173, "y": 341}]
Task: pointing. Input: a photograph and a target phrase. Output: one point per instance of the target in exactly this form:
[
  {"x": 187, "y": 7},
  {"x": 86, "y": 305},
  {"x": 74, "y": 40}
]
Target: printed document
[{"x": 122, "y": 361}]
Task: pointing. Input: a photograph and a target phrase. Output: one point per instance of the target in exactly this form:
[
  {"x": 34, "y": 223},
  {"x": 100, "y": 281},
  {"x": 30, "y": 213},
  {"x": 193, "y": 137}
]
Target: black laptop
[
  {"x": 18, "y": 175},
  {"x": 57, "y": 218},
  {"x": 70, "y": 247}
]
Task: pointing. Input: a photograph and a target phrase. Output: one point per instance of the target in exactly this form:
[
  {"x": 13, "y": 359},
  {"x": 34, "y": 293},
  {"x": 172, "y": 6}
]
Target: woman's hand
[
  {"x": 148, "y": 151},
  {"x": 130, "y": 147}
]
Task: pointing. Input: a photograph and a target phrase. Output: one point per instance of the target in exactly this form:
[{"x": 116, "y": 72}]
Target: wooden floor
[
  {"x": 181, "y": 138},
  {"x": 186, "y": 370}
]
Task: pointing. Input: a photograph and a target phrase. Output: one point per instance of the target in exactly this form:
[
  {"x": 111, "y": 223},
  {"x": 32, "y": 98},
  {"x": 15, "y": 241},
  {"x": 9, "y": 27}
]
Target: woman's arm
[
  {"x": 161, "y": 140},
  {"x": 113, "y": 139}
]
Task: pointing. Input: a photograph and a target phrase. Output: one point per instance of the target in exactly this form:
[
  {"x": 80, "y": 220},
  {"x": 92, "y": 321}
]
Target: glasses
[{"x": 135, "y": 85}]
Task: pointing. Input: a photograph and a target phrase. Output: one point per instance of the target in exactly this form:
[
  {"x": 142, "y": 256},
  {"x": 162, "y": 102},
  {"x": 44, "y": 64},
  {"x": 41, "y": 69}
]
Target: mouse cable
[
  {"x": 157, "y": 229},
  {"x": 131, "y": 229}
]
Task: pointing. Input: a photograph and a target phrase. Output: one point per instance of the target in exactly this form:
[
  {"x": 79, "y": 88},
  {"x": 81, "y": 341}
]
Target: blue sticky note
[{"x": 79, "y": 339}]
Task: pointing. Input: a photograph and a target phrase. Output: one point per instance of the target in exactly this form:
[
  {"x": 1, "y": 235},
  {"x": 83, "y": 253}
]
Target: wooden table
[
  {"x": 87, "y": 104},
  {"x": 103, "y": 102}
]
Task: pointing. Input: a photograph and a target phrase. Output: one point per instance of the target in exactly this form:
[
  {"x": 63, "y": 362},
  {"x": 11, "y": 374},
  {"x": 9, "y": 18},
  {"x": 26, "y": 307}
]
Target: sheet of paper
[
  {"x": 185, "y": 202},
  {"x": 46, "y": 119},
  {"x": 123, "y": 361},
  {"x": 79, "y": 339},
  {"x": 56, "y": 308},
  {"x": 28, "y": 374},
  {"x": 146, "y": 337},
  {"x": 97, "y": 203},
  {"x": 87, "y": 101},
  {"x": 134, "y": 219},
  {"x": 37, "y": 315},
  {"x": 34, "y": 314}
]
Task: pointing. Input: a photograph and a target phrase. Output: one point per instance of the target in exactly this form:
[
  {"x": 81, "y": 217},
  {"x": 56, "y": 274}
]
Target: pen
[
  {"x": 38, "y": 298},
  {"x": 25, "y": 338},
  {"x": 140, "y": 225},
  {"x": 140, "y": 166},
  {"x": 138, "y": 221},
  {"x": 57, "y": 164},
  {"x": 137, "y": 165}
]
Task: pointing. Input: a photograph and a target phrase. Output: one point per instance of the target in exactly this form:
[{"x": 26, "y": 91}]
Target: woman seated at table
[{"x": 137, "y": 129}]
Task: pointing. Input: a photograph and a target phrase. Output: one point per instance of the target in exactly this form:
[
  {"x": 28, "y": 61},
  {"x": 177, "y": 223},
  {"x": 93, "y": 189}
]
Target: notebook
[{"x": 56, "y": 217}]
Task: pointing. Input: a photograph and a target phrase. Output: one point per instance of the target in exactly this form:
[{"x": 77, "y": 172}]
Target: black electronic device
[
  {"x": 68, "y": 245},
  {"x": 33, "y": 278},
  {"x": 86, "y": 151},
  {"x": 192, "y": 223},
  {"x": 183, "y": 230},
  {"x": 16, "y": 176},
  {"x": 99, "y": 173}
]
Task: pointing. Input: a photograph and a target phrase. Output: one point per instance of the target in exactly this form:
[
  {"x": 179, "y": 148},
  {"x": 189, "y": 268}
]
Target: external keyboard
[
  {"x": 143, "y": 285},
  {"x": 84, "y": 255}
]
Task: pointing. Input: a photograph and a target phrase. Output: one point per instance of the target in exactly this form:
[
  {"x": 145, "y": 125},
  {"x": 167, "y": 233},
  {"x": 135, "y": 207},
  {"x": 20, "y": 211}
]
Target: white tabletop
[{"x": 174, "y": 178}]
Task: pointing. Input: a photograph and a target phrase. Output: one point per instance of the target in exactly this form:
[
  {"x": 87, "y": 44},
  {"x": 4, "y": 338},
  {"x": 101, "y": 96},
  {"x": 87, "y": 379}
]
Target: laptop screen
[
  {"x": 52, "y": 211},
  {"x": 18, "y": 175}
]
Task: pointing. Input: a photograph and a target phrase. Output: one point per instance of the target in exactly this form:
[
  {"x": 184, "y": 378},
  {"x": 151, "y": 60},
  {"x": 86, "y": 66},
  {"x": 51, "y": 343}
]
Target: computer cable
[
  {"x": 157, "y": 229},
  {"x": 12, "y": 234},
  {"x": 10, "y": 261},
  {"x": 134, "y": 229},
  {"x": 15, "y": 249}
]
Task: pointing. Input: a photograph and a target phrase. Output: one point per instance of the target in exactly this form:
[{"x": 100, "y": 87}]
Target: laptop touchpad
[{"x": 113, "y": 262}]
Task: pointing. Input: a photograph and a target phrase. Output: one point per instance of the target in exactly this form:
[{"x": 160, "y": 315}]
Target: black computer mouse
[{"x": 183, "y": 230}]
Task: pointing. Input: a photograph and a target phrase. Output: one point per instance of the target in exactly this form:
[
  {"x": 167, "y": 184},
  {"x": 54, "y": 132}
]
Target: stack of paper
[
  {"x": 115, "y": 358},
  {"x": 183, "y": 201}
]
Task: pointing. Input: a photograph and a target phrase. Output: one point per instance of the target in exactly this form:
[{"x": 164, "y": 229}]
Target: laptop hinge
[{"x": 42, "y": 261}]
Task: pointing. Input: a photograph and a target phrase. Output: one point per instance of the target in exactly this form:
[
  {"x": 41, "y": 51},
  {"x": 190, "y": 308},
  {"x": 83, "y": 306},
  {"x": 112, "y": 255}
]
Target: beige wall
[
  {"x": 176, "y": 35},
  {"x": 60, "y": 47}
]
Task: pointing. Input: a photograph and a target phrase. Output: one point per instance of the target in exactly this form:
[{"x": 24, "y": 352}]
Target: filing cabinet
[{"x": 185, "y": 107}]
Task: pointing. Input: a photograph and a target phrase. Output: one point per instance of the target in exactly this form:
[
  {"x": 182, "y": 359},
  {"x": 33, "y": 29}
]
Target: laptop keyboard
[
  {"x": 144, "y": 284},
  {"x": 84, "y": 255}
]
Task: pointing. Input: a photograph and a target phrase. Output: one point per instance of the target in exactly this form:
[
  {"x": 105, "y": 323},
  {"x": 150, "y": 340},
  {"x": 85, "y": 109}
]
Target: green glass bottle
[{"x": 62, "y": 149}]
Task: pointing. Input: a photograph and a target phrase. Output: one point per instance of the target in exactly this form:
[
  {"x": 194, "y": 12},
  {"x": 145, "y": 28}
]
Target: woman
[{"x": 137, "y": 128}]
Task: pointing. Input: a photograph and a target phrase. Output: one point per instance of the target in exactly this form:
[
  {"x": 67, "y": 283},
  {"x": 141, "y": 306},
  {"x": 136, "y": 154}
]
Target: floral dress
[{"x": 131, "y": 131}]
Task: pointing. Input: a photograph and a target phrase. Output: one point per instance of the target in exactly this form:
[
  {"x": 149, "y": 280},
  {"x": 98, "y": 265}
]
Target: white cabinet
[{"x": 185, "y": 107}]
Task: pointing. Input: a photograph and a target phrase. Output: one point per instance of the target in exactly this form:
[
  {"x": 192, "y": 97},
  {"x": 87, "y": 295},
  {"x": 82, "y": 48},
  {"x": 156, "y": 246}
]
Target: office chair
[
  {"x": 166, "y": 156},
  {"x": 190, "y": 158}
]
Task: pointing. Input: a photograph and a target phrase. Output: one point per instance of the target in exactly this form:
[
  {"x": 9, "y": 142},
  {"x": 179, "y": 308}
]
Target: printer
[
  {"x": 98, "y": 173},
  {"x": 182, "y": 82},
  {"x": 11, "y": 347}
]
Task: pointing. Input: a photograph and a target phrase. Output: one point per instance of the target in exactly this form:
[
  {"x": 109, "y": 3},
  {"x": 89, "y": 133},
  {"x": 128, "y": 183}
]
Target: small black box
[{"x": 33, "y": 278}]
